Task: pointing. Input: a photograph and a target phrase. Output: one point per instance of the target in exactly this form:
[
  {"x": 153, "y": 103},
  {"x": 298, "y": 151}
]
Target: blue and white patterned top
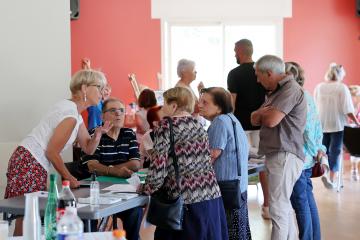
[
  {"x": 221, "y": 136},
  {"x": 313, "y": 133}
]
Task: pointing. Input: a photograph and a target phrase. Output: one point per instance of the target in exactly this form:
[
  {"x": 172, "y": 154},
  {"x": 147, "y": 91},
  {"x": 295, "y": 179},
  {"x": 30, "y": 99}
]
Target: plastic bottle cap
[
  {"x": 118, "y": 233},
  {"x": 72, "y": 210},
  {"x": 66, "y": 183},
  {"x": 52, "y": 177},
  {"x": 93, "y": 176}
]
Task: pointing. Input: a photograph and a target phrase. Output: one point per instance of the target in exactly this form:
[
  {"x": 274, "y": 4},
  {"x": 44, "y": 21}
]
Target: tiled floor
[{"x": 339, "y": 211}]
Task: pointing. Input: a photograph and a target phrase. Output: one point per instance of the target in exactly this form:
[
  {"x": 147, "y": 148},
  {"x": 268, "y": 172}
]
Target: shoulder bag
[
  {"x": 166, "y": 212},
  {"x": 230, "y": 189}
]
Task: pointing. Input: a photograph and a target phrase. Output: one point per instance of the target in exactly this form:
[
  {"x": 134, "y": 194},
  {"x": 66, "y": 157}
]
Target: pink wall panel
[
  {"x": 119, "y": 37},
  {"x": 321, "y": 32}
]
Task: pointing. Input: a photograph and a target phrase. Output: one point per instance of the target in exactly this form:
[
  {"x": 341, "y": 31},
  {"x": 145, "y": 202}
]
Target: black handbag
[
  {"x": 230, "y": 189},
  {"x": 163, "y": 211}
]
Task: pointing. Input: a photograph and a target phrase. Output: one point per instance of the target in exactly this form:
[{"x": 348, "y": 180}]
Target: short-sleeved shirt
[
  {"x": 221, "y": 136},
  {"x": 113, "y": 152},
  {"x": 287, "y": 136},
  {"x": 334, "y": 102},
  {"x": 37, "y": 141},
  {"x": 250, "y": 94}
]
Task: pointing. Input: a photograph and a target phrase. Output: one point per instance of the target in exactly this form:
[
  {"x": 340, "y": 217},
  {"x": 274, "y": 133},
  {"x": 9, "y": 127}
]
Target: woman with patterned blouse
[
  {"x": 204, "y": 216},
  {"x": 230, "y": 161}
]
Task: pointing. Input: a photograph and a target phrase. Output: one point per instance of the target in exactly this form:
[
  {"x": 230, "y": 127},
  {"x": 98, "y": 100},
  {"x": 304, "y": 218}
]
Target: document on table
[{"x": 127, "y": 188}]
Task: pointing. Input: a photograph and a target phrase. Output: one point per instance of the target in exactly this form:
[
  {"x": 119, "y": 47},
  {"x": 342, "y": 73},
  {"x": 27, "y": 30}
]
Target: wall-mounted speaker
[{"x": 74, "y": 9}]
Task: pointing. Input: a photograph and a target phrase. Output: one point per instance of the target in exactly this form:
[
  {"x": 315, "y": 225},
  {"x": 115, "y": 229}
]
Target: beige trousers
[{"x": 283, "y": 170}]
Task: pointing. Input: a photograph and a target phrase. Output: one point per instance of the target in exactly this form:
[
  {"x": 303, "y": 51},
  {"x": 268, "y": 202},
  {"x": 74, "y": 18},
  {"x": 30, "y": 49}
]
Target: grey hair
[
  {"x": 270, "y": 63},
  {"x": 246, "y": 45},
  {"x": 87, "y": 77},
  {"x": 184, "y": 64},
  {"x": 336, "y": 72}
]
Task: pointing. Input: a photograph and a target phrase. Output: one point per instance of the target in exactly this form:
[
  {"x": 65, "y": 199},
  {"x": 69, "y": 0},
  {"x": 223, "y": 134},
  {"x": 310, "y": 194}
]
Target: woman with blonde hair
[
  {"x": 333, "y": 100},
  {"x": 31, "y": 161},
  {"x": 204, "y": 216}
]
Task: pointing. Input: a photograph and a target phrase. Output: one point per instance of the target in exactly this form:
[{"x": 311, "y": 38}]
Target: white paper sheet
[{"x": 121, "y": 188}]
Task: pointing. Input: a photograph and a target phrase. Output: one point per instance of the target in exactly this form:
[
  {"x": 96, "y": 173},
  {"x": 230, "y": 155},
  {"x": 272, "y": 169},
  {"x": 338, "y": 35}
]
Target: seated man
[{"x": 117, "y": 155}]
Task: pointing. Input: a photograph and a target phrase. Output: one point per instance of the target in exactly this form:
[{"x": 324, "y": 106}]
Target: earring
[{"x": 85, "y": 97}]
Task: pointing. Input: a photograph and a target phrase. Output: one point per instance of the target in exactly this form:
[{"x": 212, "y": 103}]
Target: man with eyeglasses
[{"x": 117, "y": 155}]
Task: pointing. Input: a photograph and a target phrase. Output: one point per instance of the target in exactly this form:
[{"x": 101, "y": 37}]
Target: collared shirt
[
  {"x": 287, "y": 136},
  {"x": 113, "y": 152},
  {"x": 313, "y": 134}
]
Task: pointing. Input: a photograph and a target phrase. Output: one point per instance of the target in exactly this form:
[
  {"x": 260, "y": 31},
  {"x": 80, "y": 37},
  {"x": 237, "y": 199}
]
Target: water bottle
[
  {"x": 70, "y": 226},
  {"x": 94, "y": 190},
  {"x": 50, "y": 211},
  {"x": 32, "y": 222},
  {"x": 66, "y": 199},
  {"x": 119, "y": 234}
]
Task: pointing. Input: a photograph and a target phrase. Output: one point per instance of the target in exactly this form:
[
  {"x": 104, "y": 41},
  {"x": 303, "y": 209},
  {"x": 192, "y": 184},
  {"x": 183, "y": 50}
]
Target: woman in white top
[
  {"x": 58, "y": 129},
  {"x": 334, "y": 103},
  {"x": 187, "y": 74}
]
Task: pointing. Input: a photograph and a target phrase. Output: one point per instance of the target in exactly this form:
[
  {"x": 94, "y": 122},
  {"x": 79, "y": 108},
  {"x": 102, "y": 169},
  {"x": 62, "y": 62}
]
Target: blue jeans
[
  {"x": 303, "y": 202},
  {"x": 333, "y": 142}
]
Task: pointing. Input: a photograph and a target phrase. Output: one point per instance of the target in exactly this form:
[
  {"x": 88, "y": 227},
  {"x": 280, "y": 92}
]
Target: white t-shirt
[
  {"x": 333, "y": 100},
  {"x": 36, "y": 142}
]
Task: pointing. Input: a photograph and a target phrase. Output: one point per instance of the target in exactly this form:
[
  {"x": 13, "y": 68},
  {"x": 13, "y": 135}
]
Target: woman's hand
[
  {"x": 74, "y": 183},
  {"x": 200, "y": 86},
  {"x": 85, "y": 63},
  {"x": 320, "y": 154}
]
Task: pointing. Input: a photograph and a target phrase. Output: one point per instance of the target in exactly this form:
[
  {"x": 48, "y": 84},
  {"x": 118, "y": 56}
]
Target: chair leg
[
  {"x": 340, "y": 173},
  {"x": 114, "y": 223}
]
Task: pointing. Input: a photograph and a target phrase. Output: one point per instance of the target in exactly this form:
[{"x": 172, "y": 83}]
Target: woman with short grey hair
[{"x": 187, "y": 73}]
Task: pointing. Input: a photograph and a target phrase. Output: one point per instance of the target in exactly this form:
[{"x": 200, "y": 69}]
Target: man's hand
[
  {"x": 124, "y": 172},
  {"x": 257, "y": 115},
  {"x": 103, "y": 129}
]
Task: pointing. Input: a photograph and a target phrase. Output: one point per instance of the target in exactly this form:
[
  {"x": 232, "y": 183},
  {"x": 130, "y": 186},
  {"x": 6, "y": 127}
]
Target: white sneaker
[
  {"x": 327, "y": 183},
  {"x": 265, "y": 213}
]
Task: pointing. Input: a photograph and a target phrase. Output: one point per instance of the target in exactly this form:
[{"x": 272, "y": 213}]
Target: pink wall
[
  {"x": 321, "y": 32},
  {"x": 119, "y": 37}
]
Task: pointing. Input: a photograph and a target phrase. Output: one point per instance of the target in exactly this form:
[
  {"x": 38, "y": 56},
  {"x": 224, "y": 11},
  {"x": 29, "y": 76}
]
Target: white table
[{"x": 87, "y": 236}]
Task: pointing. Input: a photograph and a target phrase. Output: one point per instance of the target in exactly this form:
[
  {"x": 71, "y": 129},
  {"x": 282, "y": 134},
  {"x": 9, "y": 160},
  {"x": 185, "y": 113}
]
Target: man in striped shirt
[
  {"x": 117, "y": 155},
  {"x": 118, "y": 152}
]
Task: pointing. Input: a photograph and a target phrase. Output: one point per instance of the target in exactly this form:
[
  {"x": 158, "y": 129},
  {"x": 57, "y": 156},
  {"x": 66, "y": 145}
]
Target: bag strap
[
  {"x": 236, "y": 146},
  {"x": 172, "y": 151}
]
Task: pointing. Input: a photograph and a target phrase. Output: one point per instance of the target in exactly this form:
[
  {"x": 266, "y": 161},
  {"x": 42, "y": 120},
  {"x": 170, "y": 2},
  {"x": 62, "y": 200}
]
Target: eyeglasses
[
  {"x": 98, "y": 86},
  {"x": 115, "y": 110}
]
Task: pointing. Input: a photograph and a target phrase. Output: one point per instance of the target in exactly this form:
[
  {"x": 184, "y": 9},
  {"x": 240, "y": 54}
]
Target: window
[{"x": 211, "y": 46}]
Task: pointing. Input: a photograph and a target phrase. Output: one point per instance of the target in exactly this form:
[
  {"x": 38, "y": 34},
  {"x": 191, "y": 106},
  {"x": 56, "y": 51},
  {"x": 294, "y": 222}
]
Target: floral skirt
[{"x": 24, "y": 174}]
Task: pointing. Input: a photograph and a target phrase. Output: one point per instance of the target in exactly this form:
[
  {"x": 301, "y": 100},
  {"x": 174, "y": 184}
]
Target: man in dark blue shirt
[{"x": 117, "y": 155}]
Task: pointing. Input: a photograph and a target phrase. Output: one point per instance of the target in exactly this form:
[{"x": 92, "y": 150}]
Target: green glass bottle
[{"x": 50, "y": 211}]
